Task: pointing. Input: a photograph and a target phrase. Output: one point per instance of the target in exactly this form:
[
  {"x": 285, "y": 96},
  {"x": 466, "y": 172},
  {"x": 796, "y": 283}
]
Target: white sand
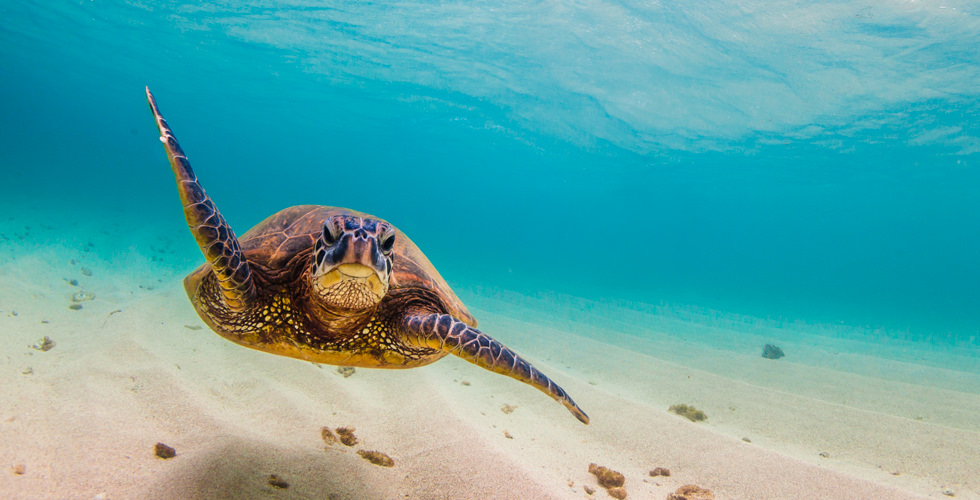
[{"x": 84, "y": 422}]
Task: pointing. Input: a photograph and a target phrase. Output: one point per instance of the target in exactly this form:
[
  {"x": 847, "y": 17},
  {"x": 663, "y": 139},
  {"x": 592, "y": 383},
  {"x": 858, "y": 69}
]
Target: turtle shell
[{"x": 273, "y": 243}]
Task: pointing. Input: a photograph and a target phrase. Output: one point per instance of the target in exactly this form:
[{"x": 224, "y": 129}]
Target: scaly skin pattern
[
  {"x": 214, "y": 236},
  {"x": 408, "y": 329},
  {"x": 446, "y": 333},
  {"x": 284, "y": 320}
]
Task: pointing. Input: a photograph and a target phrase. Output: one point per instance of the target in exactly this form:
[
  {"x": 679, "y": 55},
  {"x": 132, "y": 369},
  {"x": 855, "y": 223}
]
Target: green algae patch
[{"x": 689, "y": 412}]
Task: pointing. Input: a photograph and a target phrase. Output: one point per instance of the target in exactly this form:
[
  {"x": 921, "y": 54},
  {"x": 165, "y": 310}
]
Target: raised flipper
[
  {"x": 444, "y": 332},
  {"x": 215, "y": 237}
]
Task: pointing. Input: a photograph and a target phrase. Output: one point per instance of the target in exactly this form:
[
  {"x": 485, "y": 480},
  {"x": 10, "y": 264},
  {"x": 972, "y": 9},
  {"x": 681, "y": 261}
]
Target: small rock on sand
[
  {"x": 691, "y": 492},
  {"x": 346, "y": 435},
  {"x": 328, "y": 436},
  {"x": 377, "y": 458},
  {"x": 619, "y": 493},
  {"x": 278, "y": 482},
  {"x": 45, "y": 344},
  {"x": 607, "y": 477},
  {"x": 164, "y": 451},
  {"x": 82, "y": 296}
]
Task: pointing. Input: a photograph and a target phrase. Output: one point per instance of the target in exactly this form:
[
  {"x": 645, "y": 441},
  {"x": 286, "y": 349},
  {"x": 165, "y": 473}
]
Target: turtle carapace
[{"x": 331, "y": 285}]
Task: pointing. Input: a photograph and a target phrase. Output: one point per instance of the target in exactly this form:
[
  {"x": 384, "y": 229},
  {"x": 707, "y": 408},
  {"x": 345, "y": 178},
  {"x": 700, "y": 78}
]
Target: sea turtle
[{"x": 331, "y": 285}]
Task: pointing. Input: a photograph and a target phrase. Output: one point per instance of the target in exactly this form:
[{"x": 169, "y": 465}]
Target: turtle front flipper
[
  {"x": 444, "y": 332},
  {"x": 215, "y": 237}
]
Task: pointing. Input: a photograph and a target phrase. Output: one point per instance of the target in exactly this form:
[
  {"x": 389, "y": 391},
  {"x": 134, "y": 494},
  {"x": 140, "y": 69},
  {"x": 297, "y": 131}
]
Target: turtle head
[{"x": 351, "y": 264}]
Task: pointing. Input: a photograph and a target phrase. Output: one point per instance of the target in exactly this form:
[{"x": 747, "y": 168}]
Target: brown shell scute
[{"x": 273, "y": 242}]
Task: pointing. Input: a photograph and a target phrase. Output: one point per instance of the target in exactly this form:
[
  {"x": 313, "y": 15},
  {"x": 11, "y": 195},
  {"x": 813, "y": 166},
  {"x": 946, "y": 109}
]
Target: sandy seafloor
[{"x": 838, "y": 418}]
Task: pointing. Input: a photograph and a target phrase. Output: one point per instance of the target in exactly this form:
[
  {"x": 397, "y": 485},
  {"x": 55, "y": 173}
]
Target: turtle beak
[
  {"x": 356, "y": 277},
  {"x": 353, "y": 276}
]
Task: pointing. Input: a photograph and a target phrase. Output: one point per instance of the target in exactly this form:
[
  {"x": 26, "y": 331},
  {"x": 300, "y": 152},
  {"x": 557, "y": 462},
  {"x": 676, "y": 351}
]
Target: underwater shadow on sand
[{"x": 236, "y": 468}]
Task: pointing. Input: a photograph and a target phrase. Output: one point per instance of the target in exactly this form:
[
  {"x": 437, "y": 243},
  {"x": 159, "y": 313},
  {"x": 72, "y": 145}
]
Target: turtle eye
[
  {"x": 330, "y": 233},
  {"x": 387, "y": 242}
]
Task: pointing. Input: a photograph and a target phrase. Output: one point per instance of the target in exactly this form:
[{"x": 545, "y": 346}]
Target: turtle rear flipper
[
  {"x": 215, "y": 237},
  {"x": 444, "y": 332}
]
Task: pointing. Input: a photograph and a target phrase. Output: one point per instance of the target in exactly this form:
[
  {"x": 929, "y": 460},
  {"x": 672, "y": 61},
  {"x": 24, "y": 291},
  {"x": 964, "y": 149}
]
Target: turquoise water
[{"x": 807, "y": 161}]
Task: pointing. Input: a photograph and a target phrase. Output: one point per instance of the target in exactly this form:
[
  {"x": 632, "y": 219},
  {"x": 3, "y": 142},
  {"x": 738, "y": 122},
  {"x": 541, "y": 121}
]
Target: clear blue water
[{"x": 810, "y": 161}]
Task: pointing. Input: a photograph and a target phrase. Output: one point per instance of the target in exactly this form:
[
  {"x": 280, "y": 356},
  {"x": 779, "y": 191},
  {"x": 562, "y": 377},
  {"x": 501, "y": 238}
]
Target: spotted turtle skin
[
  {"x": 279, "y": 251},
  {"x": 331, "y": 285}
]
